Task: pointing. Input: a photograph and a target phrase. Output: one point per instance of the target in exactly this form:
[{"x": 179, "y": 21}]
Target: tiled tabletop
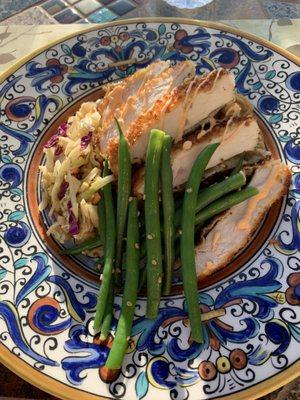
[
  {"x": 278, "y": 21},
  {"x": 95, "y": 11}
]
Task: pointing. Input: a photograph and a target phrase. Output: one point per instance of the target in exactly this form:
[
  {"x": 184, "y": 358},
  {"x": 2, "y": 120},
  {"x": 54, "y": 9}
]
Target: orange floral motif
[{"x": 293, "y": 292}]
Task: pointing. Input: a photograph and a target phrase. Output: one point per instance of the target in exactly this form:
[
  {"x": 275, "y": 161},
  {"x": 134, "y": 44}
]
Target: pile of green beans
[{"x": 164, "y": 223}]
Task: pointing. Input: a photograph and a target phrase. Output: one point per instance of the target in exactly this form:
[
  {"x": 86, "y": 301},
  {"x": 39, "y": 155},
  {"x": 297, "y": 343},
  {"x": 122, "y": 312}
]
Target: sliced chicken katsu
[
  {"x": 236, "y": 136},
  {"x": 113, "y": 103},
  {"x": 175, "y": 101},
  {"x": 157, "y": 81},
  {"x": 218, "y": 247}
]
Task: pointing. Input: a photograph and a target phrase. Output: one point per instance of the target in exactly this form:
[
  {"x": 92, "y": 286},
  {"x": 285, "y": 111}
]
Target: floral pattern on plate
[{"x": 251, "y": 319}]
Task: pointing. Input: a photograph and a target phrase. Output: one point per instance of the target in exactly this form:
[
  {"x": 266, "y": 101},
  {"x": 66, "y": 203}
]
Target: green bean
[
  {"x": 124, "y": 188},
  {"x": 88, "y": 244},
  {"x": 187, "y": 241},
  {"x": 239, "y": 164},
  {"x": 152, "y": 219},
  {"x": 120, "y": 343},
  {"x": 224, "y": 204},
  {"x": 214, "y": 192},
  {"x": 109, "y": 252},
  {"x": 105, "y": 328},
  {"x": 168, "y": 213}
]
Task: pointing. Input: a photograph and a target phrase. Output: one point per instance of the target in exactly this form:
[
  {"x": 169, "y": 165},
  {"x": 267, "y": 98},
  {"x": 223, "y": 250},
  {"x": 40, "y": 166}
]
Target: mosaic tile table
[
  {"x": 18, "y": 12},
  {"x": 284, "y": 32}
]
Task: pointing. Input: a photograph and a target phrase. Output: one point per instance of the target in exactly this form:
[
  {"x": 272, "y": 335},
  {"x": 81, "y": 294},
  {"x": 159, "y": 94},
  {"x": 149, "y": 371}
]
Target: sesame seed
[
  {"x": 149, "y": 236},
  {"x": 144, "y": 197},
  {"x": 159, "y": 280},
  {"x": 154, "y": 262},
  {"x": 101, "y": 277},
  {"x": 129, "y": 304},
  {"x": 189, "y": 190},
  {"x": 187, "y": 145},
  {"x": 179, "y": 232},
  {"x": 130, "y": 199},
  {"x": 138, "y": 213},
  {"x": 136, "y": 245},
  {"x": 128, "y": 338}
]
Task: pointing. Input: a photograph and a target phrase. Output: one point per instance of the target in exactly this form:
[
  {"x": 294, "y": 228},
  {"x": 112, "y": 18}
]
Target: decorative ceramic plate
[{"x": 250, "y": 310}]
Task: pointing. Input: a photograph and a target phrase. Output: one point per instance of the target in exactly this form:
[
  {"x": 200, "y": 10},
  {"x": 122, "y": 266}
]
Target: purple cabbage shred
[
  {"x": 73, "y": 224},
  {"x": 85, "y": 140},
  {"x": 61, "y": 131},
  {"x": 62, "y": 191},
  {"x": 58, "y": 151}
]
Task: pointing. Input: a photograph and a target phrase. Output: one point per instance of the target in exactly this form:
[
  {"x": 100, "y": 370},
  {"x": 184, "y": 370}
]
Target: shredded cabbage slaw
[{"x": 71, "y": 177}]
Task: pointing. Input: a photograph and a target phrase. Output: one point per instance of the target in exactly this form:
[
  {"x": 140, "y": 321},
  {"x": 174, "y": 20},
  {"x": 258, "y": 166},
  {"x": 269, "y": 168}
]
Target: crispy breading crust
[
  {"x": 146, "y": 120},
  {"x": 115, "y": 90},
  {"x": 285, "y": 180}
]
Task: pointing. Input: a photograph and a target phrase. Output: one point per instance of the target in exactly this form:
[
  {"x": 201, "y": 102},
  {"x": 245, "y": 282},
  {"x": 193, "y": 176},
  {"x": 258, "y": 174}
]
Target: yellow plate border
[{"x": 63, "y": 391}]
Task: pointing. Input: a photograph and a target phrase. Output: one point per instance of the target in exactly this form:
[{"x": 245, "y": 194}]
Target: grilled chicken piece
[
  {"x": 218, "y": 248},
  {"x": 251, "y": 160},
  {"x": 174, "y": 101},
  {"x": 113, "y": 103},
  {"x": 132, "y": 102},
  {"x": 235, "y": 137}
]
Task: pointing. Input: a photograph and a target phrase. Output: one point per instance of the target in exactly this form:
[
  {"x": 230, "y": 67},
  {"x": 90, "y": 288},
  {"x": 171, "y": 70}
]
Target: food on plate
[
  {"x": 216, "y": 250},
  {"x": 235, "y": 136},
  {"x": 157, "y": 172},
  {"x": 175, "y": 101}
]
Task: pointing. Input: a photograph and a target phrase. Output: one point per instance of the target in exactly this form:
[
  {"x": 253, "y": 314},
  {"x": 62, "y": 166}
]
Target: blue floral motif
[
  {"x": 12, "y": 174},
  {"x": 44, "y": 319},
  {"x": 75, "y": 308},
  {"x": 293, "y": 82},
  {"x": 294, "y": 244},
  {"x": 18, "y": 235},
  {"x": 41, "y": 272},
  {"x": 250, "y": 320},
  {"x": 95, "y": 358},
  {"x": 9, "y": 314},
  {"x": 292, "y": 151},
  {"x": 278, "y": 333}
]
